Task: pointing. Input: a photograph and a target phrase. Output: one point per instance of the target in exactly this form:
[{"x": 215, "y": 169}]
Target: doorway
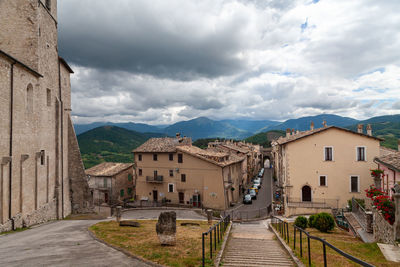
[
  {"x": 155, "y": 195},
  {"x": 196, "y": 201},
  {"x": 106, "y": 198},
  {"x": 306, "y": 193},
  {"x": 181, "y": 198}
]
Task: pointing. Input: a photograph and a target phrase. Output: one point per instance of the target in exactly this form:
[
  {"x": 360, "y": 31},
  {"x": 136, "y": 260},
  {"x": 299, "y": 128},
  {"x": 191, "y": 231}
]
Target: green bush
[
  {"x": 301, "y": 222},
  {"x": 311, "y": 220},
  {"x": 324, "y": 222}
]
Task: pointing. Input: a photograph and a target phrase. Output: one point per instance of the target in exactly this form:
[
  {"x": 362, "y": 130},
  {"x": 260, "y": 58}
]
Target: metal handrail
[
  {"x": 283, "y": 228},
  {"x": 219, "y": 231}
]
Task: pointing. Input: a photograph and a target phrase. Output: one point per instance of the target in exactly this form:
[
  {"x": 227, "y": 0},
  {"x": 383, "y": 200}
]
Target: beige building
[
  {"x": 252, "y": 154},
  {"x": 111, "y": 183},
  {"x": 174, "y": 171},
  {"x": 323, "y": 168},
  {"x": 42, "y": 175}
]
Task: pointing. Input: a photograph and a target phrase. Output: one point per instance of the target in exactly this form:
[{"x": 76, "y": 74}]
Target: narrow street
[{"x": 259, "y": 206}]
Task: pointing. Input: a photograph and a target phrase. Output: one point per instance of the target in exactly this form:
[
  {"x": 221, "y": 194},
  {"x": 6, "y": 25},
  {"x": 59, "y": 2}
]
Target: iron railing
[
  {"x": 218, "y": 230},
  {"x": 155, "y": 179},
  {"x": 363, "y": 217},
  {"x": 283, "y": 228},
  {"x": 315, "y": 203},
  {"x": 247, "y": 215}
]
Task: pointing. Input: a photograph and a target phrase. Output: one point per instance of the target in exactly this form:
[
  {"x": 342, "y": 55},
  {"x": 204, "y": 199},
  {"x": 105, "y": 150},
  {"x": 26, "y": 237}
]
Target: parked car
[
  {"x": 253, "y": 194},
  {"x": 255, "y": 188},
  {"x": 257, "y": 181},
  {"x": 258, "y": 185},
  {"x": 247, "y": 199}
]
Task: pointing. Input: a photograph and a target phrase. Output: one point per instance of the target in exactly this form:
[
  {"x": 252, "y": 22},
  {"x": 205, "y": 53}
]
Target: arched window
[
  {"x": 29, "y": 99},
  {"x": 306, "y": 193}
]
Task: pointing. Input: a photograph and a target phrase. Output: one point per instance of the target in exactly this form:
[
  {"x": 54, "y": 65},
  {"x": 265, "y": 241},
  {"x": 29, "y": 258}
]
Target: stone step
[{"x": 265, "y": 260}]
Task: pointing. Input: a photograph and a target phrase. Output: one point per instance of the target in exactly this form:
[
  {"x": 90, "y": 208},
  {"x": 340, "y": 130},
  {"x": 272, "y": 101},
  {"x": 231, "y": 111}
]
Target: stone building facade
[
  {"x": 111, "y": 182},
  {"x": 42, "y": 176},
  {"x": 172, "y": 170}
]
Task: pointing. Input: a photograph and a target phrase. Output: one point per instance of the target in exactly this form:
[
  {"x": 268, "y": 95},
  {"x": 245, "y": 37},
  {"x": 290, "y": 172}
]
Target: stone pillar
[
  {"x": 396, "y": 225},
  {"x": 369, "y": 218},
  {"x": 377, "y": 182},
  {"x": 209, "y": 216},
  {"x": 118, "y": 214}
]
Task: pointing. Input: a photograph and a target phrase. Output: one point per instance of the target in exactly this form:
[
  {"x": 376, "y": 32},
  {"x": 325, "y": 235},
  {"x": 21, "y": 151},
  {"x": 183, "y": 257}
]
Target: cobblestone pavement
[{"x": 61, "y": 243}]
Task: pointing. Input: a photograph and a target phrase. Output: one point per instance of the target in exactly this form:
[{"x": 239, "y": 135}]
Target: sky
[{"x": 163, "y": 61}]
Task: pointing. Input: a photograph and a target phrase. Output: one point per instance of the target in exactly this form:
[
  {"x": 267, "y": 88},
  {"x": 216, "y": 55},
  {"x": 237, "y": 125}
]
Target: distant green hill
[
  {"x": 265, "y": 138},
  {"x": 388, "y": 130},
  {"x": 110, "y": 143}
]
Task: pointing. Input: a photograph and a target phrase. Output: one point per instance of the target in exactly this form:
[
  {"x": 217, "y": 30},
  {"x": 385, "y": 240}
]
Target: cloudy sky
[{"x": 162, "y": 61}]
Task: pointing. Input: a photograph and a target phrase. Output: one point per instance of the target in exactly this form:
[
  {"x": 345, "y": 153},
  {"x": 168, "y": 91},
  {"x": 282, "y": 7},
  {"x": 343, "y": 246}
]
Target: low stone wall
[
  {"x": 292, "y": 211},
  {"x": 45, "y": 213},
  {"x": 383, "y": 231}
]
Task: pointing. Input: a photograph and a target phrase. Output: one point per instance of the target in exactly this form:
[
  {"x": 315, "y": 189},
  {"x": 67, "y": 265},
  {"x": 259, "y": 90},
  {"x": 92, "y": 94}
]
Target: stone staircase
[
  {"x": 359, "y": 230},
  {"x": 252, "y": 244}
]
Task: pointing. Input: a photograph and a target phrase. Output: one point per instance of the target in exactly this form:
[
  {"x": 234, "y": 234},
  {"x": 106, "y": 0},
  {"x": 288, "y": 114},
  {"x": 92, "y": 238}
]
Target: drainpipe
[
  {"x": 11, "y": 146},
  {"x": 62, "y": 139},
  {"x": 4, "y": 161}
]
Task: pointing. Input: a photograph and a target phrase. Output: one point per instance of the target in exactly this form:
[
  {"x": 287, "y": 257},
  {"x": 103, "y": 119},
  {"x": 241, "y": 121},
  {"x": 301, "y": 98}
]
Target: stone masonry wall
[
  {"x": 81, "y": 199},
  {"x": 383, "y": 231}
]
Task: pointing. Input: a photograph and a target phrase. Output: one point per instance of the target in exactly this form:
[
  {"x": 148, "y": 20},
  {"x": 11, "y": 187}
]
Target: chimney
[
  {"x": 297, "y": 131},
  {"x": 369, "y": 129},
  {"x": 324, "y": 123},
  {"x": 360, "y": 128},
  {"x": 178, "y": 135},
  {"x": 312, "y": 126},
  {"x": 293, "y": 132},
  {"x": 287, "y": 132}
]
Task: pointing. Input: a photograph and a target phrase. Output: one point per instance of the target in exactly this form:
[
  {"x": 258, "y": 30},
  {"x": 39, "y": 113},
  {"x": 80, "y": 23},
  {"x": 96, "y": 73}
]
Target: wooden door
[
  {"x": 155, "y": 195},
  {"x": 306, "y": 193},
  {"x": 181, "y": 198}
]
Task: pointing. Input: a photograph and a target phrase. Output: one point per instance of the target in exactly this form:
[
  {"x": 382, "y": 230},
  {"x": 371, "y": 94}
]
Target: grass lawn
[
  {"x": 143, "y": 242},
  {"x": 368, "y": 252}
]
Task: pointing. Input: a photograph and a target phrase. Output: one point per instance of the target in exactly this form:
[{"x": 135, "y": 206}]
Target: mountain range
[{"x": 115, "y": 141}]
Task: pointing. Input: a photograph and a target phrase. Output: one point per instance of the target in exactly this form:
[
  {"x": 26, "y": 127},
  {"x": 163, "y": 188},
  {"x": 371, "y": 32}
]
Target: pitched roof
[
  {"x": 165, "y": 144},
  {"x": 215, "y": 157},
  {"x": 383, "y": 151},
  {"x": 284, "y": 140},
  {"x": 391, "y": 161},
  {"x": 16, "y": 61},
  {"x": 65, "y": 64},
  {"x": 243, "y": 150},
  {"x": 108, "y": 169}
]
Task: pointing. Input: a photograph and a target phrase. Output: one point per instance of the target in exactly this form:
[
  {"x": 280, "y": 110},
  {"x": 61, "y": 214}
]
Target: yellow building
[
  {"x": 323, "y": 168},
  {"x": 172, "y": 170}
]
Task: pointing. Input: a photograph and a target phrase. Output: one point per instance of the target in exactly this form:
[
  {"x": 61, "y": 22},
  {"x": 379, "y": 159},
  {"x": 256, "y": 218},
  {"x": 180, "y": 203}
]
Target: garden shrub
[
  {"x": 301, "y": 222},
  {"x": 311, "y": 220},
  {"x": 324, "y": 222}
]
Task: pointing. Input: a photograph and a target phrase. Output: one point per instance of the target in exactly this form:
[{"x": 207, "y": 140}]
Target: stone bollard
[
  {"x": 118, "y": 214},
  {"x": 166, "y": 228},
  {"x": 209, "y": 216},
  {"x": 396, "y": 225}
]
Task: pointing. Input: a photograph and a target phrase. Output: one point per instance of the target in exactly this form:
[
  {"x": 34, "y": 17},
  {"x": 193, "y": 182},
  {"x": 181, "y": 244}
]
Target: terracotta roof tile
[
  {"x": 391, "y": 160},
  {"x": 166, "y": 144},
  {"x": 108, "y": 169},
  {"x": 213, "y": 156}
]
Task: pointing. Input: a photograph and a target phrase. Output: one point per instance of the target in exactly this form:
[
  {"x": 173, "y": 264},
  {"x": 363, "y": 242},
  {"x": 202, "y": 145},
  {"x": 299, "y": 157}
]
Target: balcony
[{"x": 155, "y": 179}]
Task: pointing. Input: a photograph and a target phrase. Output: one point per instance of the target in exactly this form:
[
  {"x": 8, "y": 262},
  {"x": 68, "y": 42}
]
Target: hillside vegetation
[
  {"x": 110, "y": 143},
  {"x": 265, "y": 138}
]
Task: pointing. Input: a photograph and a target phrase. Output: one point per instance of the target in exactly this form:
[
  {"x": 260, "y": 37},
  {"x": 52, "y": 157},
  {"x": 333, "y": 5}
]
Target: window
[
  {"x": 180, "y": 158},
  {"x": 130, "y": 177},
  {"x": 183, "y": 177},
  {"x": 155, "y": 157},
  {"x": 170, "y": 188},
  {"x": 130, "y": 191},
  {"x": 140, "y": 172},
  {"x": 155, "y": 174},
  {"x": 48, "y": 97},
  {"x": 171, "y": 157},
  {"x": 121, "y": 193},
  {"x": 29, "y": 99},
  {"x": 171, "y": 173},
  {"x": 42, "y": 155},
  {"x": 354, "y": 184},
  {"x": 328, "y": 153},
  {"x": 361, "y": 153},
  {"x": 105, "y": 182},
  {"x": 140, "y": 157},
  {"x": 322, "y": 180}
]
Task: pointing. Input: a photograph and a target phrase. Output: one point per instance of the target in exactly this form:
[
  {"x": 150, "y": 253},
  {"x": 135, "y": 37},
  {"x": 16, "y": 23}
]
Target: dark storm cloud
[{"x": 137, "y": 38}]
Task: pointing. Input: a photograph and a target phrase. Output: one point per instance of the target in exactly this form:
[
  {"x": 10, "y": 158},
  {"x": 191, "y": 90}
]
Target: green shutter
[
  {"x": 122, "y": 192},
  {"x": 130, "y": 177},
  {"x": 130, "y": 191}
]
